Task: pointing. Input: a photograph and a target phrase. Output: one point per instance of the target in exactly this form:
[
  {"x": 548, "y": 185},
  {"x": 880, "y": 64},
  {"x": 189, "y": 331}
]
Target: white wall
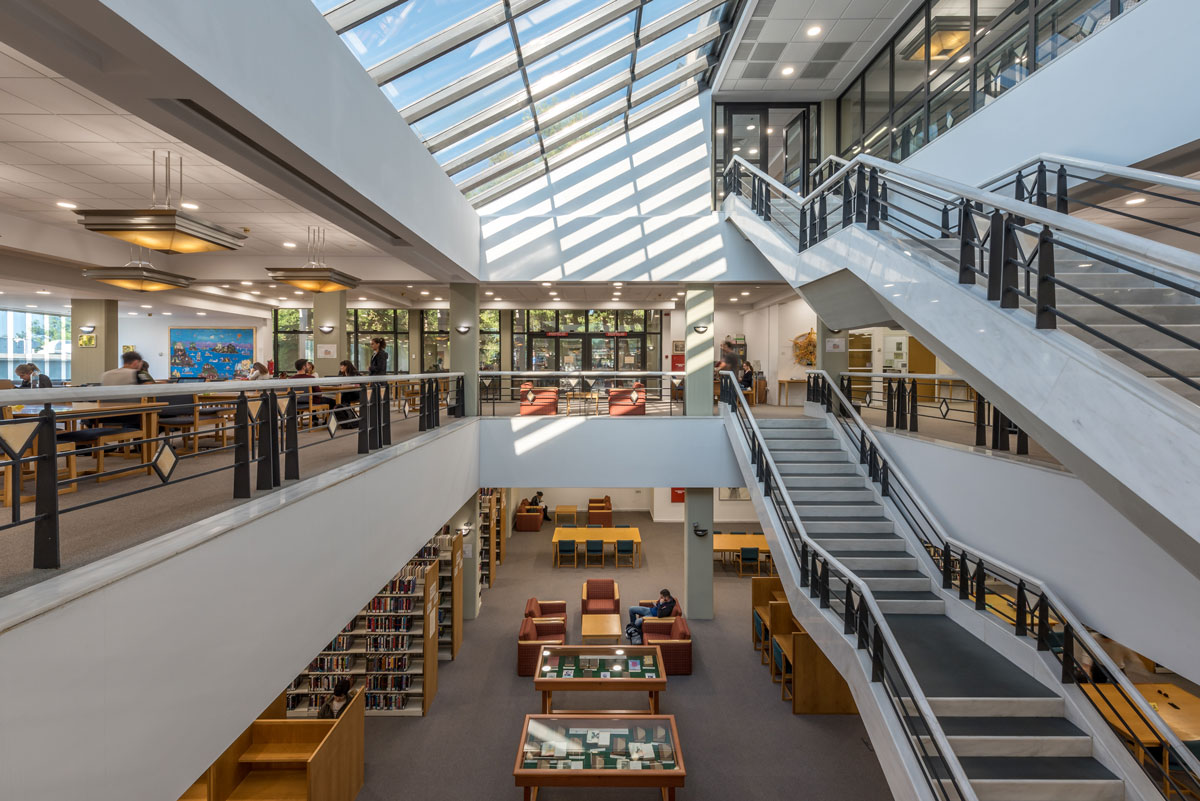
[
  {"x": 1054, "y": 527},
  {"x": 637, "y": 208},
  {"x": 150, "y": 336},
  {"x": 1119, "y": 97},
  {"x": 723, "y": 511},
  {"x": 626, "y": 499},
  {"x": 144, "y": 666}
]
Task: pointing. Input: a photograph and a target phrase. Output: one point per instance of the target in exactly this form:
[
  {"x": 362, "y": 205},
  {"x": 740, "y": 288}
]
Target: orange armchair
[
  {"x": 600, "y": 597},
  {"x": 536, "y": 608},
  {"x": 672, "y": 635},
  {"x": 627, "y": 401},
  {"x": 538, "y": 400},
  {"x": 600, "y": 517},
  {"x": 528, "y": 518},
  {"x": 535, "y": 634}
]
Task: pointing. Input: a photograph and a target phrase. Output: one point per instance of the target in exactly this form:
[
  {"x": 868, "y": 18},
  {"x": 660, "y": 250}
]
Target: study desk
[
  {"x": 71, "y": 413},
  {"x": 785, "y": 386},
  {"x": 608, "y": 535},
  {"x": 600, "y": 668},
  {"x": 1184, "y": 720},
  {"x": 599, "y": 751},
  {"x": 563, "y": 511},
  {"x": 733, "y": 543},
  {"x": 601, "y": 627}
]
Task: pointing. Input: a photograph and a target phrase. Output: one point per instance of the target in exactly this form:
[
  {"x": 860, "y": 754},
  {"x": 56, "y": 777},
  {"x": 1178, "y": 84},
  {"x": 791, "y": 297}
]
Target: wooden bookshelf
[
  {"x": 389, "y": 649},
  {"x": 489, "y": 513},
  {"x": 502, "y": 524},
  {"x": 450, "y": 585}
]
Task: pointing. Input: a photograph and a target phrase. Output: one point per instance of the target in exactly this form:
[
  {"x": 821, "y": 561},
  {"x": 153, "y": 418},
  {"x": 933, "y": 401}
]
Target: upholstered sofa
[
  {"x": 538, "y": 400},
  {"x": 672, "y": 635},
  {"x": 600, "y": 597},
  {"x": 676, "y": 612},
  {"x": 627, "y": 401},
  {"x": 528, "y": 518},
  {"x": 600, "y": 517},
  {"x": 536, "y": 608},
  {"x": 535, "y": 634}
]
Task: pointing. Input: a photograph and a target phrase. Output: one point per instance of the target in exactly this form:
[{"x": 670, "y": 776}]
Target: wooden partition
[
  {"x": 817, "y": 687},
  {"x": 763, "y": 590},
  {"x": 285, "y": 759}
]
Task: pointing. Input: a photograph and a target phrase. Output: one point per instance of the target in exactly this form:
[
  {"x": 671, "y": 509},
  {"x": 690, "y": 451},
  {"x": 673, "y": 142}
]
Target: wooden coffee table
[
  {"x": 601, "y": 628},
  {"x": 563, "y": 511}
]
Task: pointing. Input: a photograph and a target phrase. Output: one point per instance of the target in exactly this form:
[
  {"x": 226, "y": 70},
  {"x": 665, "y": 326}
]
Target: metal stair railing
[
  {"x": 1008, "y": 244},
  {"x": 1033, "y": 607},
  {"x": 862, "y": 617}
]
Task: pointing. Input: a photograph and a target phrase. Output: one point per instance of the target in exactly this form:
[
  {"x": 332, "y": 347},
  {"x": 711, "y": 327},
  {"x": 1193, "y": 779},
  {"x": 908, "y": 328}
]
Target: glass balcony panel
[{"x": 1065, "y": 24}]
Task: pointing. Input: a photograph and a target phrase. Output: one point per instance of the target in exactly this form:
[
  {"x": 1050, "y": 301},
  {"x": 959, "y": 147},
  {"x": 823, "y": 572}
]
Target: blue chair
[
  {"x": 568, "y": 525},
  {"x": 624, "y": 548},
  {"x": 622, "y": 525},
  {"x": 593, "y": 548},
  {"x": 566, "y": 548},
  {"x": 760, "y": 630},
  {"x": 593, "y": 525},
  {"x": 745, "y": 558}
]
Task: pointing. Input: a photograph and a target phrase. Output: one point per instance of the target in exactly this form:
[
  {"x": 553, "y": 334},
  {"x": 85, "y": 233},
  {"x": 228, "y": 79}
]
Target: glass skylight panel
[
  {"x": 657, "y": 9},
  {"x": 504, "y": 126},
  {"x": 662, "y": 72},
  {"x": 450, "y": 68},
  {"x": 552, "y": 16},
  {"x": 588, "y": 134},
  {"x": 548, "y": 105},
  {"x": 578, "y": 49},
  {"x": 528, "y": 169},
  {"x": 408, "y": 24},
  {"x": 583, "y": 114},
  {"x": 470, "y": 105},
  {"x": 675, "y": 37},
  {"x": 325, "y": 6},
  {"x": 680, "y": 90},
  {"x": 515, "y": 149}
]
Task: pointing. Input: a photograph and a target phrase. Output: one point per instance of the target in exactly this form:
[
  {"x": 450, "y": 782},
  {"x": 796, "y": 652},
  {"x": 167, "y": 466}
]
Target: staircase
[{"x": 1006, "y": 728}]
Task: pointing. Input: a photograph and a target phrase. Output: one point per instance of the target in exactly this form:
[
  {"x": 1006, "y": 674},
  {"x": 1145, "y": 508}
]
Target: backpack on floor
[{"x": 634, "y": 634}]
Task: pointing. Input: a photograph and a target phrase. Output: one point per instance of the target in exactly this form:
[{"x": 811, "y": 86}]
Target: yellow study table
[
  {"x": 784, "y": 393},
  {"x": 1183, "y": 717},
  {"x": 733, "y": 543},
  {"x": 608, "y": 535}
]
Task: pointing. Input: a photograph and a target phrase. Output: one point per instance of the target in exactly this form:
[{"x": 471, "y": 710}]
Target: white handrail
[
  {"x": 1081, "y": 631},
  {"x": 918, "y": 696},
  {"x": 938, "y": 376},
  {"x": 580, "y": 373},
  {"x": 29, "y": 397},
  {"x": 830, "y": 159},
  {"x": 1130, "y": 173}
]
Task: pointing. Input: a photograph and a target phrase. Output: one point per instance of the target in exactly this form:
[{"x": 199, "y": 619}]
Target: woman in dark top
[{"x": 379, "y": 357}]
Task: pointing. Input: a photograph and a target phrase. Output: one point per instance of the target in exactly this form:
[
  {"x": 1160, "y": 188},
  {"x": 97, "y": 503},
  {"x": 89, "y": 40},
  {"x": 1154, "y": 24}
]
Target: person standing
[{"x": 379, "y": 357}]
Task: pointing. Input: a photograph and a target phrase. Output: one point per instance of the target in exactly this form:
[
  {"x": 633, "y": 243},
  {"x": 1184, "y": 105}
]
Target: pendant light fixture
[
  {"x": 138, "y": 274},
  {"x": 314, "y": 276},
  {"x": 163, "y": 226}
]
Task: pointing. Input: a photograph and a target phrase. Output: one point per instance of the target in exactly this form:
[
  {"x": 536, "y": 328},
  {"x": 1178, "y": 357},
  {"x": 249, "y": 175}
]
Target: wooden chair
[
  {"x": 566, "y": 548},
  {"x": 29, "y": 470},
  {"x": 183, "y": 413},
  {"x": 623, "y": 549},
  {"x": 745, "y": 558},
  {"x": 98, "y": 436},
  {"x": 593, "y": 548}
]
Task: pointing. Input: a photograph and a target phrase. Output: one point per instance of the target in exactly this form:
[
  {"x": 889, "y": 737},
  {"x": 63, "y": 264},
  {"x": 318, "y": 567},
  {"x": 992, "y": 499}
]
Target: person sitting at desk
[
  {"x": 663, "y": 607},
  {"x": 29, "y": 376},
  {"x": 131, "y": 371},
  {"x": 257, "y": 372},
  {"x": 747, "y": 379},
  {"x": 334, "y": 706}
]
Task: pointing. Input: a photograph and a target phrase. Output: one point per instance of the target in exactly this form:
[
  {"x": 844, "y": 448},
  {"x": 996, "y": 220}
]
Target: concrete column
[
  {"x": 828, "y": 128},
  {"x": 833, "y": 363},
  {"x": 88, "y": 364},
  {"x": 699, "y": 311},
  {"x": 698, "y": 554},
  {"x": 329, "y": 308},
  {"x": 506, "y": 340},
  {"x": 468, "y": 515},
  {"x": 415, "y": 320},
  {"x": 464, "y": 347}
]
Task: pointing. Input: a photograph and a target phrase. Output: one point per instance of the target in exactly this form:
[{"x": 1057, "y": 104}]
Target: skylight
[{"x": 502, "y": 91}]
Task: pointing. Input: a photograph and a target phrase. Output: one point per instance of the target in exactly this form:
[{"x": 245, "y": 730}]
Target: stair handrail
[
  {"x": 917, "y": 696},
  {"x": 1081, "y": 632},
  {"x": 1173, "y": 259},
  {"x": 1130, "y": 173}
]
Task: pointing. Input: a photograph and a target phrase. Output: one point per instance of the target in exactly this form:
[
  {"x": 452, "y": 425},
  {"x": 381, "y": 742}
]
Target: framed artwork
[
  {"x": 128, "y": 348},
  {"x": 220, "y": 352},
  {"x": 87, "y": 340},
  {"x": 677, "y": 346},
  {"x": 733, "y": 494}
]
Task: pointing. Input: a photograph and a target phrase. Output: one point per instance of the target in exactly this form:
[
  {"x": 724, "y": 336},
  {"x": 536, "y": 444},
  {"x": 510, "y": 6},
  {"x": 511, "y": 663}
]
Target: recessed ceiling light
[
  {"x": 191, "y": 206},
  {"x": 964, "y": 59},
  {"x": 289, "y": 244},
  {"x": 297, "y": 292},
  {"x": 618, "y": 283},
  {"x": 272, "y": 286},
  {"x": 616, "y": 294},
  {"x": 201, "y": 314},
  {"x": 43, "y": 292},
  {"x": 62, "y": 204},
  {"x": 131, "y": 314},
  {"x": 752, "y": 151},
  {"x": 489, "y": 292},
  {"x": 255, "y": 292},
  {"x": 30, "y": 306},
  {"x": 737, "y": 150},
  {"x": 247, "y": 283},
  {"x": 733, "y": 300},
  {"x": 680, "y": 293},
  {"x": 437, "y": 297},
  {"x": 746, "y": 292},
  {"x": 749, "y": 127},
  {"x": 409, "y": 286},
  {"x": 552, "y": 292},
  {"x": 770, "y": 130},
  {"x": 362, "y": 298},
  {"x": 788, "y": 70},
  {"x": 424, "y": 291},
  {"x": 147, "y": 306},
  {"x": 283, "y": 297},
  {"x": 166, "y": 314},
  {"x": 497, "y": 298},
  {"x": 224, "y": 286},
  {"x": 721, "y": 130},
  {"x": 814, "y": 30},
  {"x": 1134, "y": 201},
  {"x": 545, "y": 283}
]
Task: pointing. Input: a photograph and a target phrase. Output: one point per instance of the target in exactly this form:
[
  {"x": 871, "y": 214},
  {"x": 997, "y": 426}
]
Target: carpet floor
[{"x": 739, "y": 740}]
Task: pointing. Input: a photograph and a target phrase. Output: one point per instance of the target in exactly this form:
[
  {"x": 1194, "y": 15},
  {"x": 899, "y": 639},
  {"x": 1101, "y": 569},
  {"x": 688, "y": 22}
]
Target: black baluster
[
  {"x": 1022, "y": 609},
  {"x": 912, "y": 404},
  {"x": 964, "y": 577},
  {"x": 873, "y": 200},
  {"x": 241, "y": 448},
  {"x": 1019, "y": 187},
  {"x": 847, "y": 202},
  {"x": 848, "y": 612},
  {"x": 276, "y": 439},
  {"x": 802, "y": 234},
  {"x": 967, "y": 234},
  {"x": 1040, "y": 191},
  {"x": 1060, "y": 195},
  {"x": 1043, "y": 623},
  {"x": 901, "y": 404},
  {"x": 944, "y": 223},
  {"x": 980, "y": 422},
  {"x": 265, "y": 440},
  {"x": 803, "y": 564},
  {"x": 364, "y": 420},
  {"x": 814, "y": 581},
  {"x": 387, "y": 413},
  {"x": 947, "y": 568},
  {"x": 877, "y": 665},
  {"x": 995, "y": 276},
  {"x": 1068, "y": 655},
  {"x": 291, "y": 433},
  {"x": 1046, "y": 303},
  {"x": 883, "y": 201},
  {"x": 1009, "y": 299},
  {"x": 824, "y": 601},
  {"x": 863, "y": 624},
  {"x": 889, "y": 393},
  {"x": 860, "y": 194},
  {"x": 1002, "y": 443},
  {"x": 823, "y": 218},
  {"x": 980, "y": 586},
  {"x": 883, "y": 477},
  {"x": 46, "y": 549},
  {"x": 1022, "y": 442}
]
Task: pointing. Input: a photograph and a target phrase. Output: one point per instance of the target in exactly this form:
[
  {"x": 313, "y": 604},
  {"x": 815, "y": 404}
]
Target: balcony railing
[{"x": 589, "y": 393}]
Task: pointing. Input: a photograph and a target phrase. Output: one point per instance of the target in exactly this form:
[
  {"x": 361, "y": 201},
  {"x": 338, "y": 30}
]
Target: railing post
[
  {"x": 848, "y": 612},
  {"x": 980, "y": 422},
  {"x": 995, "y": 276},
  {"x": 437, "y": 403},
  {"x": 1060, "y": 192},
  {"x": 737, "y": 178},
  {"x": 1046, "y": 302},
  {"x": 901, "y": 404},
  {"x": 947, "y": 568},
  {"x": 1040, "y": 196},
  {"x": 1068, "y": 655},
  {"x": 883, "y": 477},
  {"x": 873, "y": 200},
  {"x": 364, "y": 420},
  {"x": 802, "y": 234},
  {"x": 276, "y": 444},
  {"x": 1001, "y": 433},
  {"x": 980, "y": 586},
  {"x": 966, "y": 243},
  {"x": 1043, "y": 623},
  {"x": 823, "y": 218},
  {"x": 241, "y": 448},
  {"x": 1022, "y": 442},
  {"x": 912, "y": 406},
  {"x": 824, "y": 600},
  {"x": 803, "y": 564},
  {"x": 291, "y": 441},
  {"x": 863, "y": 625},
  {"x": 860, "y": 194},
  {"x": 944, "y": 223},
  {"x": 847, "y": 202},
  {"x": 890, "y": 395},
  {"x": 877, "y": 654},
  {"x": 1022, "y": 609},
  {"x": 265, "y": 441},
  {"x": 814, "y": 576},
  {"x": 423, "y": 396},
  {"x": 964, "y": 577},
  {"x": 872, "y": 462},
  {"x": 47, "y": 554},
  {"x": 1019, "y": 187},
  {"x": 386, "y": 430},
  {"x": 883, "y": 201},
  {"x": 1009, "y": 299},
  {"x": 376, "y": 436},
  {"x": 766, "y": 200}
]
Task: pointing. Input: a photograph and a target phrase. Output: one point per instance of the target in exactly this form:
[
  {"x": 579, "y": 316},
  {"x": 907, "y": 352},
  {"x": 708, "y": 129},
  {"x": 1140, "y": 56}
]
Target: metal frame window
[
  {"x": 364, "y": 324},
  {"x": 611, "y": 339},
  {"x": 968, "y": 52},
  {"x": 292, "y": 337},
  {"x": 38, "y": 337},
  {"x": 511, "y": 88},
  {"x": 489, "y": 339},
  {"x": 725, "y": 143}
]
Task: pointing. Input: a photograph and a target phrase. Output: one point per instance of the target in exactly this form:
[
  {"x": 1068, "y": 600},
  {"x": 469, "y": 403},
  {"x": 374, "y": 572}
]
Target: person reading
[{"x": 663, "y": 607}]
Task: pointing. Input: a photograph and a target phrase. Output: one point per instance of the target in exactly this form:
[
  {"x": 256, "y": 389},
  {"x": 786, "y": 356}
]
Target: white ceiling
[
  {"x": 776, "y": 36},
  {"x": 60, "y": 142},
  {"x": 593, "y": 295}
]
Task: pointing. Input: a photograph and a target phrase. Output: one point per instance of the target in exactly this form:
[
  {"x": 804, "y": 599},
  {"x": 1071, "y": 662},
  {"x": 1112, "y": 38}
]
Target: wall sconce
[
  {"x": 700, "y": 329},
  {"x": 325, "y": 329},
  {"x": 699, "y": 532},
  {"x": 87, "y": 329},
  {"x": 462, "y": 329}
]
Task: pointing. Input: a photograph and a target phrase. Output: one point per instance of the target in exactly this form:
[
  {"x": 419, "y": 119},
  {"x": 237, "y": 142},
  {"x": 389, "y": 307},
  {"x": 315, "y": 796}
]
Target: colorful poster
[{"x": 216, "y": 352}]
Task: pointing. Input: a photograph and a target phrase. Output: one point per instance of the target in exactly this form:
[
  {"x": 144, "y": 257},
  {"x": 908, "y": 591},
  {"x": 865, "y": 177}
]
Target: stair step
[
  {"x": 1131, "y": 296},
  {"x": 842, "y": 511},
  {"x": 998, "y": 706},
  {"x": 807, "y": 482},
  {"x": 1159, "y": 313},
  {"x": 920, "y": 602},
  {"x": 765, "y": 423},
  {"x": 837, "y": 525},
  {"x": 900, "y": 580},
  {"x": 875, "y": 560},
  {"x": 1046, "y": 778},
  {"x": 790, "y": 434},
  {"x": 822, "y": 456},
  {"x": 857, "y": 541},
  {"x": 1134, "y": 335},
  {"x": 846, "y": 468},
  {"x": 1015, "y": 737},
  {"x": 798, "y": 444},
  {"x": 1181, "y": 359},
  {"x": 832, "y": 495}
]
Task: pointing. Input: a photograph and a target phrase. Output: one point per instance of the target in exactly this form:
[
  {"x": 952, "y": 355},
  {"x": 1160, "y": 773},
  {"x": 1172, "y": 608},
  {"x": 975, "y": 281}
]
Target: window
[
  {"x": 44, "y": 339},
  {"x": 435, "y": 340},
  {"x": 489, "y": 339},
  {"x": 850, "y": 119},
  {"x": 363, "y": 325},
  {"x": 293, "y": 338}
]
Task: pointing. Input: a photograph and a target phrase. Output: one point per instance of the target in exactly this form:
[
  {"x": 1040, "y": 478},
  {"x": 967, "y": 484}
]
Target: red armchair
[
  {"x": 600, "y": 517},
  {"x": 528, "y": 518},
  {"x": 600, "y": 597},
  {"x": 673, "y": 636},
  {"x": 536, "y": 608},
  {"x": 627, "y": 401},
  {"x": 535, "y": 634},
  {"x": 538, "y": 400}
]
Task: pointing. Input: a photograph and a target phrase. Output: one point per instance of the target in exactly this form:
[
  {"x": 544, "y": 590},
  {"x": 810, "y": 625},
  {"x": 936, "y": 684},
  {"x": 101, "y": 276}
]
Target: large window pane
[
  {"x": 949, "y": 30},
  {"x": 876, "y": 82},
  {"x": 518, "y": 320},
  {"x": 1066, "y": 24},
  {"x": 504, "y": 127},
  {"x": 603, "y": 353},
  {"x": 1003, "y": 68},
  {"x": 449, "y": 68},
  {"x": 489, "y": 351},
  {"x": 489, "y": 319},
  {"x": 435, "y": 355},
  {"x": 602, "y": 320},
  {"x": 850, "y": 118},
  {"x": 949, "y": 106},
  {"x": 570, "y": 350},
  {"x": 461, "y": 110},
  {"x": 653, "y": 320},
  {"x": 578, "y": 49},
  {"x": 44, "y": 339},
  {"x": 909, "y": 135},
  {"x": 572, "y": 320},
  {"x": 409, "y": 23},
  {"x": 630, "y": 351},
  {"x": 550, "y": 17},
  {"x": 436, "y": 319},
  {"x": 632, "y": 320},
  {"x": 542, "y": 320},
  {"x": 542, "y": 354},
  {"x": 910, "y": 67},
  {"x": 376, "y": 320}
]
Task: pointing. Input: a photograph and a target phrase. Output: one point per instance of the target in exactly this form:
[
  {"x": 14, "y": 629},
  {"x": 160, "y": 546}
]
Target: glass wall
[
  {"x": 44, "y": 339},
  {"x": 489, "y": 339},
  {"x": 363, "y": 325},
  {"x": 954, "y": 57},
  {"x": 435, "y": 340},
  {"x": 293, "y": 338},
  {"x": 596, "y": 339},
  {"x": 781, "y": 140}
]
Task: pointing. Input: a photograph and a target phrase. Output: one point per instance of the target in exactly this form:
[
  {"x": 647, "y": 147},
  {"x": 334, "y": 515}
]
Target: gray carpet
[{"x": 739, "y": 739}]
